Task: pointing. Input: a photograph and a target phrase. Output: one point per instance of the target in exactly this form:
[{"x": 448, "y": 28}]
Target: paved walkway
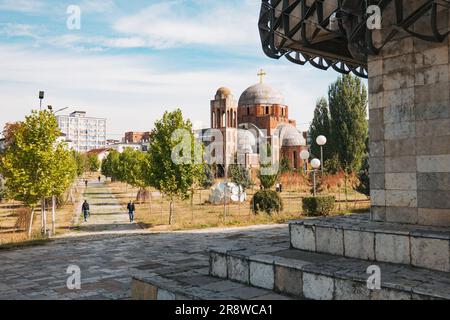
[
  {"x": 110, "y": 250},
  {"x": 106, "y": 212}
]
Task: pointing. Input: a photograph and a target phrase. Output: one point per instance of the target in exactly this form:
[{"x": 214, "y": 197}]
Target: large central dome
[{"x": 261, "y": 94}]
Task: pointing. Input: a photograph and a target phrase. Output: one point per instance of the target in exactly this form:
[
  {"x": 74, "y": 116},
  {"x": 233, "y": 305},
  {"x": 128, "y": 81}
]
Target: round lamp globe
[
  {"x": 315, "y": 164},
  {"x": 304, "y": 155},
  {"x": 321, "y": 140}
]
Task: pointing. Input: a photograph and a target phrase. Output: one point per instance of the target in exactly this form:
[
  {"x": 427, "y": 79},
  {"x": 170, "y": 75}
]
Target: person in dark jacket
[
  {"x": 131, "y": 210},
  {"x": 85, "y": 209}
]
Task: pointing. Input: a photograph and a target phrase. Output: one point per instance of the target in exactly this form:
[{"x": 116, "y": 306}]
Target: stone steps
[
  {"x": 188, "y": 288},
  {"x": 358, "y": 237},
  {"x": 308, "y": 275}
]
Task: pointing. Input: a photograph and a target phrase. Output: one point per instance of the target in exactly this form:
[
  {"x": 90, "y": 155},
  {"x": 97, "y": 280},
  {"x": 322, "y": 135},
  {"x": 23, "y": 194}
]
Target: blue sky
[{"x": 132, "y": 60}]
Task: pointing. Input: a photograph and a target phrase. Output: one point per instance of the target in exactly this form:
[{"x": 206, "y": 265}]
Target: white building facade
[{"x": 84, "y": 133}]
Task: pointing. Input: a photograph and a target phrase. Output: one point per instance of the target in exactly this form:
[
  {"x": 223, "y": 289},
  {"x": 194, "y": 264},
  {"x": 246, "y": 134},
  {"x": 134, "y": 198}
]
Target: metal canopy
[{"x": 334, "y": 33}]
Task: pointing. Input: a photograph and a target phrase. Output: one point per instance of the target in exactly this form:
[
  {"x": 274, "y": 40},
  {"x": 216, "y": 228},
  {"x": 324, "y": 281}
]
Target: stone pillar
[{"x": 410, "y": 130}]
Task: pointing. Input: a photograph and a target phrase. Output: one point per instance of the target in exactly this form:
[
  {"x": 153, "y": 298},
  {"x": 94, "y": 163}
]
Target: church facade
[{"x": 260, "y": 113}]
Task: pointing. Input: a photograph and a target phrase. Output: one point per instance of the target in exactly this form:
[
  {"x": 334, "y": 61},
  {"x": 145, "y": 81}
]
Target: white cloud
[
  {"x": 18, "y": 30},
  {"x": 133, "y": 91},
  {"x": 168, "y": 24},
  {"x": 97, "y": 6},
  {"x": 24, "y": 6}
]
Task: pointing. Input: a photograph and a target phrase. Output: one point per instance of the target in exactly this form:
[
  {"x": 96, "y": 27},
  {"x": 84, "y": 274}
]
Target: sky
[{"x": 132, "y": 60}]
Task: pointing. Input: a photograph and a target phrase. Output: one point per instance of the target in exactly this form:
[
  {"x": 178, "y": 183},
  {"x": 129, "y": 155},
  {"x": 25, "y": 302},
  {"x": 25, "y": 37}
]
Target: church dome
[
  {"x": 261, "y": 94},
  {"x": 290, "y": 136},
  {"x": 223, "y": 91}
]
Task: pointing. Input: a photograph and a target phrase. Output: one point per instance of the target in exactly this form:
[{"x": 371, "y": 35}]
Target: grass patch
[{"x": 199, "y": 214}]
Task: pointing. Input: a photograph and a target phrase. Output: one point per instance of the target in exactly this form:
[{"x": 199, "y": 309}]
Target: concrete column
[{"x": 410, "y": 130}]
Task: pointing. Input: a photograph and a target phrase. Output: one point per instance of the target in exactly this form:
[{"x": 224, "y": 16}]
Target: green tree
[
  {"x": 268, "y": 180},
  {"x": 285, "y": 165},
  {"x": 2, "y": 189},
  {"x": 93, "y": 163},
  {"x": 80, "y": 161},
  {"x": 30, "y": 162},
  {"x": 208, "y": 176},
  {"x": 349, "y": 126},
  {"x": 132, "y": 165},
  {"x": 321, "y": 126},
  {"x": 64, "y": 171},
  {"x": 364, "y": 176},
  {"x": 172, "y": 178},
  {"x": 267, "y": 200},
  {"x": 240, "y": 175},
  {"x": 109, "y": 164}
]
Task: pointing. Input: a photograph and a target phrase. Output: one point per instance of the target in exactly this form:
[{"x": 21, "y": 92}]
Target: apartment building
[{"x": 85, "y": 133}]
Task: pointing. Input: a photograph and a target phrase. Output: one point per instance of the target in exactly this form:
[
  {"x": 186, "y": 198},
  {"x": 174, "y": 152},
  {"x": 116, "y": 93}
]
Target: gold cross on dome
[{"x": 261, "y": 75}]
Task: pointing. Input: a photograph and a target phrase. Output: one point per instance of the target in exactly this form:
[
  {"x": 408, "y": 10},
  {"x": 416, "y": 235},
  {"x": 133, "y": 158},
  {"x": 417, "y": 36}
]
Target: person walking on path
[
  {"x": 86, "y": 183},
  {"x": 99, "y": 179},
  {"x": 85, "y": 209},
  {"x": 131, "y": 210}
]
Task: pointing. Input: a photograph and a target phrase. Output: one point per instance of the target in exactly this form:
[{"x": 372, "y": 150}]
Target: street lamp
[
  {"x": 50, "y": 108},
  {"x": 315, "y": 164},
  {"x": 41, "y": 97},
  {"x": 321, "y": 141},
  {"x": 304, "y": 155}
]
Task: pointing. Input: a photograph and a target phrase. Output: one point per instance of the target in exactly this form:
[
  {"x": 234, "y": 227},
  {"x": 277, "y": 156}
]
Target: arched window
[
  {"x": 223, "y": 120},
  {"x": 248, "y": 111},
  {"x": 267, "y": 110}
]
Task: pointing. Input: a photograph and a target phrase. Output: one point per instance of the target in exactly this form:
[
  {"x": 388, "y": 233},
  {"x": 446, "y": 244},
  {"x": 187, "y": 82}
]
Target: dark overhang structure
[{"x": 334, "y": 33}]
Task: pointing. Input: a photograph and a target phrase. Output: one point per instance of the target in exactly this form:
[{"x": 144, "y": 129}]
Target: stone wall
[{"x": 410, "y": 129}]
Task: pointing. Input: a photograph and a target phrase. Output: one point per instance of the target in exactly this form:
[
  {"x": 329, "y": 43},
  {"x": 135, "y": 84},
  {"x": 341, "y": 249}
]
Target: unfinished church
[{"x": 261, "y": 114}]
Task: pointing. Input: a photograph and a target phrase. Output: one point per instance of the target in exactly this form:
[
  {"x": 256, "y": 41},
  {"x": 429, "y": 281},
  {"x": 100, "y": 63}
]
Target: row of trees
[
  {"x": 343, "y": 120},
  {"x": 156, "y": 168},
  {"x": 86, "y": 162},
  {"x": 35, "y": 165}
]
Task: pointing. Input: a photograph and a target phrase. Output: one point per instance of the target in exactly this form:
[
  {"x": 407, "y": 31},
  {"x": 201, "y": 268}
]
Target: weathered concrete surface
[
  {"x": 410, "y": 127},
  {"x": 109, "y": 261},
  {"x": 356, "y": 236},
  {"x": 321, "y": 276}
]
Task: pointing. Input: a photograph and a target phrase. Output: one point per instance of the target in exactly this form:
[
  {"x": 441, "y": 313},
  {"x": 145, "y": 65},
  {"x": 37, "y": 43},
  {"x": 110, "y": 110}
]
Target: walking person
[
  {"x": 85, "y": 209},
  {"x": 99, "y": 179},
  {"x": 86, "y": 183},
  {"x": 131, "y": 210}
]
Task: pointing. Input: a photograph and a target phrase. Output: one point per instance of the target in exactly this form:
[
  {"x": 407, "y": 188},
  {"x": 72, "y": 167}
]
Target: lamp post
[
  {"x": 321, "y": 141},
  {"x": 304, "y": 155},
  {"x": 50, "y": 108},
  {"x": 41, "y": 97},
  {"x": 315, "y": 164}
]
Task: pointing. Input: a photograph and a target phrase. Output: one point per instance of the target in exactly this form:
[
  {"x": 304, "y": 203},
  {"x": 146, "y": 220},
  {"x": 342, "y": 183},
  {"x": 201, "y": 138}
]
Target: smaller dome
[
  {"x": 223, "y": 91},
  {"x": 291, "y": 137}
]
